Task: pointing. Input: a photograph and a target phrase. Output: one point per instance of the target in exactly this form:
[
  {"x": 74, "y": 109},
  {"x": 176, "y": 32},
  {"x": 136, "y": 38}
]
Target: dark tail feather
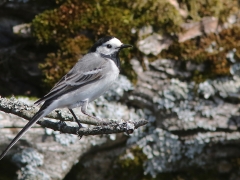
[{"x": 35, "y": 118}]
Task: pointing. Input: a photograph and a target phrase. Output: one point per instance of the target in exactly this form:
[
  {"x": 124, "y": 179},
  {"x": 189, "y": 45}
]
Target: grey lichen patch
[
  {"x": 65, "y": 139},
  {"x": 190, "y": 118},
  {"x": 184, "y": 104},
  {"x": 118, "y": 88},
  {"x": 160, "y": 148},
  {"x": 32, "y": 173},
  {"x": 167, "y": 152},
  {"x": 28, "y": 156},
  {"x": 227, "y": 87},
  {"x": 28, "y": 161}
]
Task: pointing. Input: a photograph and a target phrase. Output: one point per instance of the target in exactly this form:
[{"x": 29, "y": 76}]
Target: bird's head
[{"x": 108, "y": 46}]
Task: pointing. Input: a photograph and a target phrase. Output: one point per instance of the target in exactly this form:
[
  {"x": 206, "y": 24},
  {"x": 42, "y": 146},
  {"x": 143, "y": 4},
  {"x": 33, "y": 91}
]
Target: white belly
[
  {"x": 90, "y": 91},
  {"x": 101, "y": 86}
]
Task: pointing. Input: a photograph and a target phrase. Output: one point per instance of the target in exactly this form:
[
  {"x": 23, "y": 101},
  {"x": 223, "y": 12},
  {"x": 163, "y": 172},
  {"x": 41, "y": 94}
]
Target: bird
[{"x": 88, "y": 79}]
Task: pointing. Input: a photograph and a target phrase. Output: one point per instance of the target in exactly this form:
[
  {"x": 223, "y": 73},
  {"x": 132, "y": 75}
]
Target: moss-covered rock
[
  {"x": 130, "y": 165},
  {"x": 211, "y": 50},
  {"x": 71, "y": 28}
]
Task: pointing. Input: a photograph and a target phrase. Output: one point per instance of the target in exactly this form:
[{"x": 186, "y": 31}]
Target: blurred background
[{"x": 183, "y": 76}]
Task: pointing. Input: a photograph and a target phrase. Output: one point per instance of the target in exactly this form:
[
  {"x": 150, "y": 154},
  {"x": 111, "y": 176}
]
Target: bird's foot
[{"x": 79, "y": 135}]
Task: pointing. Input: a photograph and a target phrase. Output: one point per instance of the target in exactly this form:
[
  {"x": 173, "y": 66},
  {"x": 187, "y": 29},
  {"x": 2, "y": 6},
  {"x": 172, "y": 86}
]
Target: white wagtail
[{"x": 91, "y": 76}]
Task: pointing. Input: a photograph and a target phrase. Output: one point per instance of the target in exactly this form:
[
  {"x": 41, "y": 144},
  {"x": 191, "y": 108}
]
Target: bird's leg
[
  {"x": 76, "y": 119},
  {"x": 61, "y": 123},
  {"x": 84, "y": 111}
]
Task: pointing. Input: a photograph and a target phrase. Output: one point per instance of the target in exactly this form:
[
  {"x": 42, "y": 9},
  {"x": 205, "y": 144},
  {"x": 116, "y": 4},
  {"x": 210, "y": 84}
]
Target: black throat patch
[{"x": 114, "y": 57}]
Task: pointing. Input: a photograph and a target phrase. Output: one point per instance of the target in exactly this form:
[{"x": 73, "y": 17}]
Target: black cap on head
[{"x": 99, "y": 43}]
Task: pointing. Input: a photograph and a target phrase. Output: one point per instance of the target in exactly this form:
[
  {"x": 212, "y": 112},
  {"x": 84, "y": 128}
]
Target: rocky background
[{"x": 183, "y": 76}]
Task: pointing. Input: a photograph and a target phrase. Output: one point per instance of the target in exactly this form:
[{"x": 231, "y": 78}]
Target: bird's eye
[{"x": 109, "y": 46}]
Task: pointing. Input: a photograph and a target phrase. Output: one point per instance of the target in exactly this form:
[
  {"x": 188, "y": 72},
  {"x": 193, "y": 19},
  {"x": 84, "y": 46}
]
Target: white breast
[
  {"x": 105, "y": 83},
  {"x": 114, "y": 70},
  {"x": 92, "y": 91}
]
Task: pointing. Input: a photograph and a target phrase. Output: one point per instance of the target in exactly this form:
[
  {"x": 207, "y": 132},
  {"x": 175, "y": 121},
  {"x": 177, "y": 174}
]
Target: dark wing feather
[{"x": 77, "y": 77}]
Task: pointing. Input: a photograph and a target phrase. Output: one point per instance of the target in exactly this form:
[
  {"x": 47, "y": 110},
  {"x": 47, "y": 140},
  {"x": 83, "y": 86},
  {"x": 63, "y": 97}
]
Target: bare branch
[
  {"x": 112, "y": 128},
  {"x": 20, "y": 109}
]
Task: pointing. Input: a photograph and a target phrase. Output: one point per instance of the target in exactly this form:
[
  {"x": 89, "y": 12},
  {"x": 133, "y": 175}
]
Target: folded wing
[{"x": 77, "y": 77}]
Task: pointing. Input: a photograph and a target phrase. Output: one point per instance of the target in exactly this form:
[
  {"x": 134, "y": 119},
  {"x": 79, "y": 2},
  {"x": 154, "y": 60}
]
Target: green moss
[
  {"x": 72, "y": 26},
  {"x": 201, "y": 8},
  {"x": 128, "y": 168},
  {"x": 132, "y": 169},
  {"x": 59, "y": 63},
  {"x": 92, "y": 20},
  {"x": 210, "y": 50}
]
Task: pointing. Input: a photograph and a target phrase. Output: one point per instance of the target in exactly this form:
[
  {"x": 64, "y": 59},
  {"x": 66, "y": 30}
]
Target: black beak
[{"x": 125, "y": 46}]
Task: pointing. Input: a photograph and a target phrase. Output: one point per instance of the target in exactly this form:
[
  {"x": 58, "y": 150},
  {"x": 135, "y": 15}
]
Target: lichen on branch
[{"x": 20, "y": 109}]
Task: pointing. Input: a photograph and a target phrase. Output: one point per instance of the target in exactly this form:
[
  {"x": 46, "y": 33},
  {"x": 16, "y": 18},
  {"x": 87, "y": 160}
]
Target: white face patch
[
  {"x": 115, "y": 42},
  {"x": 110, "y": 46}
]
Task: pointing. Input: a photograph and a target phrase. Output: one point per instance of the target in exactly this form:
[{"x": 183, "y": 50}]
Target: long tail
[{"x": 41, "y": 113}]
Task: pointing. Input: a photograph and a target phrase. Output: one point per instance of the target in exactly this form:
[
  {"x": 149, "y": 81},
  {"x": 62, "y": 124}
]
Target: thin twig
[{"x": 20, "y": 109}]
